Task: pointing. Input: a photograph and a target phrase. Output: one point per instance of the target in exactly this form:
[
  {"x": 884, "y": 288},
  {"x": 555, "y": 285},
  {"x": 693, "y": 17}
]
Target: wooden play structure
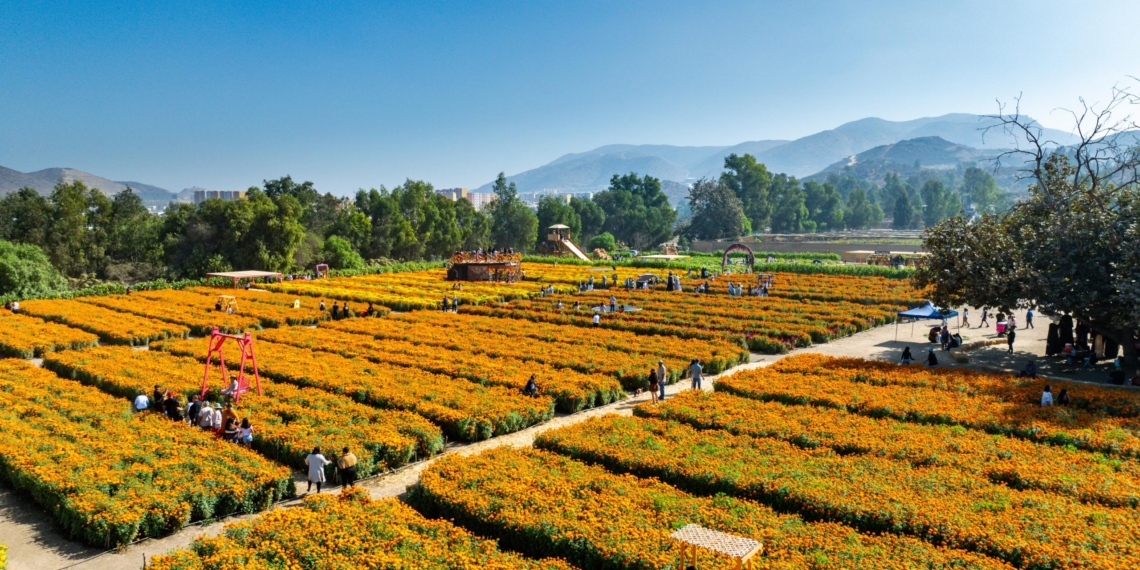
[
  {"x": 501, "y": 267},
  {"x": 558, "y": 242},
  {"x": 245, "y": 346},
  {"x": 734, "y": 248},
  {"x": 693, "y": 538},
  {"x": 322, "y": 270},
  {"x": 226, "y": 304},
  {"x": 766, "y": 280}
]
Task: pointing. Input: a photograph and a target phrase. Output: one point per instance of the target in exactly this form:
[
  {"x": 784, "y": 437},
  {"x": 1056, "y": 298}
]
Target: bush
[
  {"x": 25, "y": 271},
  {"x": 604, "y": 241},
  {"x": 338, "y": 253}
]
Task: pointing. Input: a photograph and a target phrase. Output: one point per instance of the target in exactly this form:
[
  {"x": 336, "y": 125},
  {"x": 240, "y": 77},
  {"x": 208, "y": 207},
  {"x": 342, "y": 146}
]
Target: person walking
[
  {"x": 965, "y": 317},
  {"x": 316, "y": 463},
  {"x": 985, "y": 318},
  {"x": 346, "y": 466},
  {"x": 1029, "y": 320},
  {"x": 1009, "y": 339},
  {"x": 695, "y": 370},
  {"x": 192, "y": 410},
  {"x": 662, "y": 377},
  {"x": 906, "y": 356},
  {"x": 653, "y": 386}
]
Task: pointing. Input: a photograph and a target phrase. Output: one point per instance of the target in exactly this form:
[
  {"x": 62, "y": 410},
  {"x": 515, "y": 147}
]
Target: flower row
[
  {"x": 109, "y": 477},
  {"x": 288, "y": 422},
  {"x": 572, "y": 390},
  {"x": 111, "y": 326},
  {"x": 268, "y": 314},
  {"x": 543, "y": 504},
  {"x": 1027, "y": 528},
  {"x": 200, "y": 318},
  {"x": 1090, "y": 477},
  {"x": 880, "y": 390},
  {"x": 29, "y": 337},
  {"x": 464, "y": 409},
  {"x": 346, "y": 531}
]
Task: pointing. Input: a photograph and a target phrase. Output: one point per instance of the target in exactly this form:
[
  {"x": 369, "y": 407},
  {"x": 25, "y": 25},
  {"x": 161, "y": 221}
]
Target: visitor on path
[
  {"x": 1012, "y": 322},
  {"x": 141, "y": 403},
  {"x": 531, "y": 388},
  {"x": 695, "y": 371},
  {"x": 1063, "y": 398},
  {"x": 231, "y": 432},
  {"x": 662, "y": 377},
  {"x": 1029, "y": 320},
  {"x": 172, "y": 407},
  {"x": 597, "y": 320},
  {"x": 985, "y": 318},
  {"x": 192, "y": 410},
  {"x": 1030, "y": 370},
  {"x": 157, "y": 398},
  {"x": 1009, "y": 339},
  {"x": 1047, "y": 396},
  {"x": 316, "y": 463},
  {"x": 346, "y": 466},
  {"x": 245, "y": 433},
  {"x": 653, "y": 385},
  {"x": 336, "y": 310},
  {"x": 965, "y": 317},
  {"x": 206, "y": 416},
  {"x": 906, "y": 356},
  {"x": 944, "y": 338},
  {"x": 613, "y": 303},
  {"x": 931, "y": 359}
]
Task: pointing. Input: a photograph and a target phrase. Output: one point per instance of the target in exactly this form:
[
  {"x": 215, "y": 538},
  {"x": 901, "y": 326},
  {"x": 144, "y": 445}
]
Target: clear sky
[{"x": 358, "y": 94}]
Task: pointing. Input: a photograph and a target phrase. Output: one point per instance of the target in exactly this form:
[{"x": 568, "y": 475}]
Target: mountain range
[
  {"x": 963, "y": 139},
  {"x": 43, "y": 181}
]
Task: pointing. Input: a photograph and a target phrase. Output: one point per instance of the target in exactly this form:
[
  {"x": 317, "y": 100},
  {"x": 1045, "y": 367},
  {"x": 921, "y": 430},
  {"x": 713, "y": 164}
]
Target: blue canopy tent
[{"x": 926, "y": 311}]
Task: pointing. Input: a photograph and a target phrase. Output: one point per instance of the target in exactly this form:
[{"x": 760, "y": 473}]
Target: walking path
[{"x": 35, "y": 542}]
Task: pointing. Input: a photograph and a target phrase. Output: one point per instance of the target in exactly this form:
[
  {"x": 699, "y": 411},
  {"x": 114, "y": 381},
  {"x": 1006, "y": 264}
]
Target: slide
[{"x": 574, "y": 249}]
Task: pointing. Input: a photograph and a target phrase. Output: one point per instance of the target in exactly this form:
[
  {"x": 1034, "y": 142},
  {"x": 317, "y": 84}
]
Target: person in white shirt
[
  {"x": 216, "y": 418},
  {"x": 695, "y": 370},
  {"x": 141, "y": 402},
  {"x": 206, "y": 416},
  {"x": 1047, "y": 396},
  {"x": 662, "y": 374},
  {"x": 597, "y": 319}
]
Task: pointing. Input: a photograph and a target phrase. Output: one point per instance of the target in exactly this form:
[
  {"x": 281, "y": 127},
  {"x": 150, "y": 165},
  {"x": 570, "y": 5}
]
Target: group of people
[
  {"x": 13, "y": 306},
  {"x": 908, "y": 357},
  {"x": 224, "y": 422},
  {"x": 345, "y": 312},
  {"x": 449, "y": 305},
  {"x": 345, "y": 466}
]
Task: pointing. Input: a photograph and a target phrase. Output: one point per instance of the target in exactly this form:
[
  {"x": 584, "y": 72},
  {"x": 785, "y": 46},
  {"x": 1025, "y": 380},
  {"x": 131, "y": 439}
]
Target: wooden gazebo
[{"x": 693, "y": 537}]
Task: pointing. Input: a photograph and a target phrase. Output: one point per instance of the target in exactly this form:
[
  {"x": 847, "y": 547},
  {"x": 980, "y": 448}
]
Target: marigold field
[{"x": 829, "y": 462}]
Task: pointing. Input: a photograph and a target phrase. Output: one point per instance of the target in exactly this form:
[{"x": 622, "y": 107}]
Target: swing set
[{"x": 245, "y": 346}]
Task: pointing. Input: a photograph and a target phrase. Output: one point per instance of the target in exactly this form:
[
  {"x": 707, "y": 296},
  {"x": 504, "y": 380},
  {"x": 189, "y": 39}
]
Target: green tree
[
  {"x": 604, "y": 240},
  {"x": 555, "y": 210},
  {"x": 980, "y": 189},
  {"x": 902, "y": 213},
  {"x": 789, "y": 212},
  {"x": 750, "y": 181},
  {"x": 939, "y": 202},
  {"x": 77, "y": 240},
  {"x": 134, "y": 243},
  {"x": 591, "y": 215},
  {"x": 636, "y": 210},
  {"x": 860, "y": 213},
  {"x": 717, "y": 212},
  {"x": 825, "y": 206},
  {"x": 25, "y": 217},
  {"x": 354, "y": 226},
  {"x": 312, "y": 215},
  {"x": 339, "y": 254},
  {"x": 513, "y": 225},
  {"x": 25, "y": 271},
  {"x": 474, "y": 226}
]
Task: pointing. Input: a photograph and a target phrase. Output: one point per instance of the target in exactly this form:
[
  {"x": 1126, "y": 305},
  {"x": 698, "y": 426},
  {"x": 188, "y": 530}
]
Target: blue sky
[{"x": 353, "y": 94}]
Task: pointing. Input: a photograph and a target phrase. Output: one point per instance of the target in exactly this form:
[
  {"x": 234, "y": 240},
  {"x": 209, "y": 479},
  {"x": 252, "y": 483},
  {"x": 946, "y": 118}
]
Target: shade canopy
[
  {"x": 559, "y": 227},
  {"x": 928, "y": 311},
  {"x": 236, "y": 275}
]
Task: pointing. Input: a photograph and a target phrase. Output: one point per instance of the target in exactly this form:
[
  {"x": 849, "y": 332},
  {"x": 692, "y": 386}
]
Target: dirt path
[{"x": 35, "y": 542}]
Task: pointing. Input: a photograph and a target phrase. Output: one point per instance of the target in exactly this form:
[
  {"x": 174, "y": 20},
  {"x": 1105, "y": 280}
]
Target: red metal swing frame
[{"x": 245, "y": 345}]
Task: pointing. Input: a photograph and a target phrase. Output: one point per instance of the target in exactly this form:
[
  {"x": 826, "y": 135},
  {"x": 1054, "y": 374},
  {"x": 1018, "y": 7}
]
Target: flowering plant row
[
  {"x": 288, "y": 421},
  {"x": 271, "y": 298},
  {"x": 267, "y": 314},
  {"x": 1029, "y": 529},
  {"x": 109, "y": 477},
  {"x": 200, "y": 318},
  {"x": 463, "y": 409},
  {"x": 880, "y": 390},
  {"x": 346, "y": 531},
  {"x": 1089, "y": 477},
  {"x": 29, "y": 337},
  {"x": 572, "y": 390},
  {"x": 543, "y": 504},
  {"x": 111, "y": 326}
]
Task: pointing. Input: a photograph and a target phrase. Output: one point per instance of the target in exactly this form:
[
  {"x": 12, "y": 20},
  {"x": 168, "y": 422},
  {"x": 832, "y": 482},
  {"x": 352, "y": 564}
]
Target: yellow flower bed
[
  {"x": 268, "y": 313},
  {"x": 287, "y": 421},
  {"x": 109, "y": 477},
  {"x": 199, "y": 316},
  {"x": 112, "y": 326},
  {"x": 544, "y": 504},
  {"x": 572, "y": 390},
  {"x": 28, "y": 337},
  {"x": 464, "y": 409},
  {"x": 1089, "y": 477},
  {"x": 1027, "y": 528},
  {"x": 347, "y": 531},
  {"x": 950, "y": 396}
]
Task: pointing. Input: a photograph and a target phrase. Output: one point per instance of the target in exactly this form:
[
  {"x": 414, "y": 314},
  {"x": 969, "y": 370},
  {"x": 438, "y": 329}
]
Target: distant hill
[
  {"x": 909, "y": 157},
  {"x": 591, "y": 170},
  {"x": 44, "y": 181}
]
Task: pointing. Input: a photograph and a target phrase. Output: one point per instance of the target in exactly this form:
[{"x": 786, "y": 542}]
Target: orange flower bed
[
  {"x": 111, "y": 326},
  {"x": 878, "y": 389},
  {"x": 347, "y": 531},
  {"x": 109, "y": 477},
  {"x": 288, "y": 422},
  {"x": 543, "y": 504},
  {"x": 1089, "y": 477},
  {"x": 572, "y": 390},
  {"x": 1026, "y": 528},
  {"x": 268, "y": 314},
  {"x": 200, "y": 317},
  {"x": 463, "y": 409},
  {"x": 29, "y": 337}
]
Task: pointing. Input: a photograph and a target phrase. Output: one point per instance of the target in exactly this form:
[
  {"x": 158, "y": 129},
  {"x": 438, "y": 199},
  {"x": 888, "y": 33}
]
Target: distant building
[
  {"x": 452, "y": 194},
  {"x": 203, "y": 195},
  {"x": 481, "y": 199}
]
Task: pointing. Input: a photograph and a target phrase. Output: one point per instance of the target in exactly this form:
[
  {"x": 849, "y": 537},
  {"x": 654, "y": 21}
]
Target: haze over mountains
[{"x": 963, "y": 137}]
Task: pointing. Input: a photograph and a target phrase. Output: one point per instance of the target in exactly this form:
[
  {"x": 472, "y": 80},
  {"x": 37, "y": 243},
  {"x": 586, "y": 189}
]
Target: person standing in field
[
  {"x": 192, "y": 410},
  {"x": 965, "y": 317},
  {"x": 1029, "y": 318},
  {"x": 316, "y": 463},
  {"x": 1047, "y": 396},
  {"x": 346, "y": 465},
  {"x": 695, "y": 370},
  {"x": 1009, "y": 339},
  {"x": 141, "y": 403},
  {"x": 662, "y": 377},
  {"x": 985, "y": 318},
  {"x": 653, "y": 385}
]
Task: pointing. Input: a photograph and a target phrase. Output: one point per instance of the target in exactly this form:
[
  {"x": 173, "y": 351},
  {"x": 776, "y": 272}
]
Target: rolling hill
[{"x": 43, "y": 181}]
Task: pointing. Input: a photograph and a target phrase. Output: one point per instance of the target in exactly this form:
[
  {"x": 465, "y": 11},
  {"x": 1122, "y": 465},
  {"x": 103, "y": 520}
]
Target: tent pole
[{"x": 897, "y": 327}]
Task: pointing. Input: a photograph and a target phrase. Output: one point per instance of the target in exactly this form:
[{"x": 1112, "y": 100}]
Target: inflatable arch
[{"x": 738, "y": 247}]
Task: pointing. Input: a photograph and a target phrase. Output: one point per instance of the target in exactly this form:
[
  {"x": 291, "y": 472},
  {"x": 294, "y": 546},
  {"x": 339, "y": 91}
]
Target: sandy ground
[{"x": 35, "y": 542}]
